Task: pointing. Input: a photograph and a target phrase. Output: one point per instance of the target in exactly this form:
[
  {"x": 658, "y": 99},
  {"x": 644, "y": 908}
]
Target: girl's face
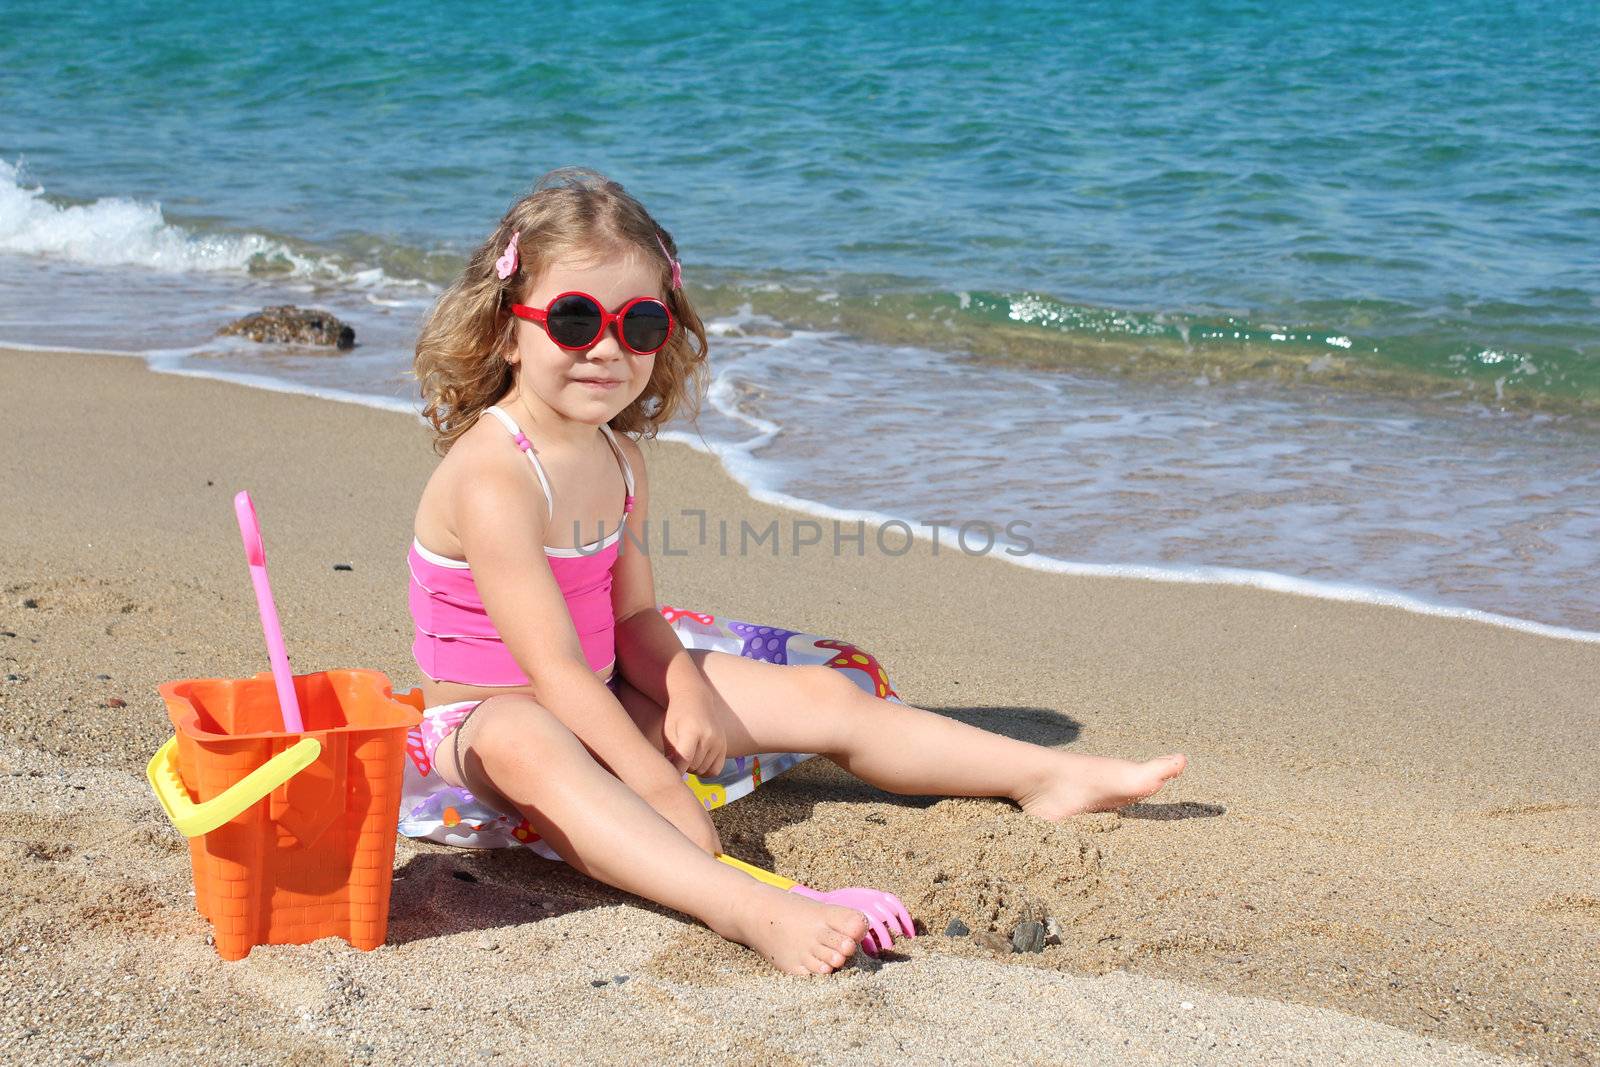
[{"x": 589, "y": 386}]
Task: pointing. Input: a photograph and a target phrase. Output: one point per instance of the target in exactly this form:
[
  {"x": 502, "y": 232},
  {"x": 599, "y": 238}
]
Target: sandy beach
[{"x": 1386, "y": 848}]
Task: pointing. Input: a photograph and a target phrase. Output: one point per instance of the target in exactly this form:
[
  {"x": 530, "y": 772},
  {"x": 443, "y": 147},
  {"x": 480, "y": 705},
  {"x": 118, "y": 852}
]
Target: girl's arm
[
  {"x": 651, "y": 656},
  {"x": 649, "y": 653},
  {"x": 500, "y": 520}
]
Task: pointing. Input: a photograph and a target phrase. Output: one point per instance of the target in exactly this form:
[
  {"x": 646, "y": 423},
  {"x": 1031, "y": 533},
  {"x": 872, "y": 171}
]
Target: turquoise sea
[{"x": 1303, "y": 293}]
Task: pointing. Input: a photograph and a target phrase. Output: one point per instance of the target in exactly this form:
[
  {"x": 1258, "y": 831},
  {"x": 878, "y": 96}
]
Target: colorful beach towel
[{"x": 431, "y": 808}]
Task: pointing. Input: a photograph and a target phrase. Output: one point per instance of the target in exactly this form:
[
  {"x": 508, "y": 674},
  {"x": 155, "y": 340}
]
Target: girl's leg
[
  {"x": 775, "y": 708},
  {"x": 518, "y": 755}
]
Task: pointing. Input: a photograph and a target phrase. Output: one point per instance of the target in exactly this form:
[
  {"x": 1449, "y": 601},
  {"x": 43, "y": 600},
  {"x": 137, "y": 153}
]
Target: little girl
[{"x": 558, "y": 696}]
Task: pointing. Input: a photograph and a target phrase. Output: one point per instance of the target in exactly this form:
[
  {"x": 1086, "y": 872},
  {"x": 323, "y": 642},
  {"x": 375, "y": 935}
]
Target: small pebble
[
  {"x": 8, "y": 633},
  {"x": 1187, "y": 1006},
  {"x": 994, "y": 942},
  {"x": 29, "y": 602},
  {"x": 488, "y": 944},
  {"x": 210, "y": 482},
  {"x": 957, "y": 928},
  {"x": 103, "y": 677},
  {"x": 116, "y": 702},
  {"x": 1028, "y": 937},
  {"x": 343, "y": 567},
  {"x": 599, "y": 982},
  {"x": 1052, "y": 932},
  {"x": 619, "y": 978},
  {"x": 13, "y": 677}
]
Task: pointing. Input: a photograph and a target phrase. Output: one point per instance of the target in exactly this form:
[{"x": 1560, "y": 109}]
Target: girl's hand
[{"x": 693, "y": 731}]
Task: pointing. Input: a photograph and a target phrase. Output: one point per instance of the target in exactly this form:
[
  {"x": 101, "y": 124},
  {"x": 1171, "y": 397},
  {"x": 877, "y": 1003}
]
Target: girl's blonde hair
[{"x": 460, "y": 361}]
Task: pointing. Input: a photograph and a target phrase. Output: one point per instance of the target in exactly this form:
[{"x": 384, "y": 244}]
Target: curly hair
[{"x": 459, "y": 361}]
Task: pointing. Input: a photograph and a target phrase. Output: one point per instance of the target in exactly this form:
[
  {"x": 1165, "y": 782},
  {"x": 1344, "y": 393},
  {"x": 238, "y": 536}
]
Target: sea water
[{"x": 1301, "y": 294}]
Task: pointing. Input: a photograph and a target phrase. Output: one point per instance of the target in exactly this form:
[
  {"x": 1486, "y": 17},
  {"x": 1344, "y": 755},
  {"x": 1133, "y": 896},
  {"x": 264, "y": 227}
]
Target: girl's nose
[{"x": 608, "y": 345}]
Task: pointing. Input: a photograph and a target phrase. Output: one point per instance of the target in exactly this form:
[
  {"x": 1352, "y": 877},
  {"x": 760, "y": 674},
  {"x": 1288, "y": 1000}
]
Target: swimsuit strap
[
  {"x": 527, "y": 446},
  {"x": 627, "y": 471}
]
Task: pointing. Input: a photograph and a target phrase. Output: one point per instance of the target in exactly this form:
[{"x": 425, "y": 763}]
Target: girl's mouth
[{"x": 599, "y": 384}]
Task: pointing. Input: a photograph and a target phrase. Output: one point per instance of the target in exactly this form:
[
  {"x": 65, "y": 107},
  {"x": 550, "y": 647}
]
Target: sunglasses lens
[
  {"x": 574, "y": 321},
  {"x": 646, "y": 325}
]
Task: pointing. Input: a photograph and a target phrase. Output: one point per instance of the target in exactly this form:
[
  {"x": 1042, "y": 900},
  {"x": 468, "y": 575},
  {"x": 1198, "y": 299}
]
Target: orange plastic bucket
[{"x": 291, "y": 836}]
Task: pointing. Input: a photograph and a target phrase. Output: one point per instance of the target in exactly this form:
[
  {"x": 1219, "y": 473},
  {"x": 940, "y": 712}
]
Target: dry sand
[{"x": 1385, "y": 850}]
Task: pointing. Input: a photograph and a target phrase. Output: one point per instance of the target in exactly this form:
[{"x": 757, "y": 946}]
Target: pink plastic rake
[{"x": 883, "y": 910}]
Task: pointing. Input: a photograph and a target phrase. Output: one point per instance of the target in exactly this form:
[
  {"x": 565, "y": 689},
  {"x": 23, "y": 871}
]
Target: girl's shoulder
[
  {"x": 484, "y": 453},
  {"x": 485, "y": 445}
]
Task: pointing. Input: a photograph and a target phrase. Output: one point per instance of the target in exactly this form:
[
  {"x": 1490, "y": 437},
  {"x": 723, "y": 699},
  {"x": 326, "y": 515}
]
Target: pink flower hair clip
[
  {"x": 507, "y": 264},
  {"x": 677, "y": 270}
]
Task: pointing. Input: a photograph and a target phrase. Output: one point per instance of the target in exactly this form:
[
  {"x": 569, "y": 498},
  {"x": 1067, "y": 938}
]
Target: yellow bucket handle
[{"x": 193, "y": 819}]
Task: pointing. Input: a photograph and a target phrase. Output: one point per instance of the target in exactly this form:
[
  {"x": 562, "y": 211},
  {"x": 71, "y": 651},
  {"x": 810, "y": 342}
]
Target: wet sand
[{"x": 1386, "y": 847}]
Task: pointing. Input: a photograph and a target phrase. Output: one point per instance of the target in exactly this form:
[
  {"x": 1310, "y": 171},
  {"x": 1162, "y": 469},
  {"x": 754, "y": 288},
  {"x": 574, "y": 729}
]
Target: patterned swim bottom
[
  {"x": 442, "y": 720},
  {"x": 434, "y": 809}
]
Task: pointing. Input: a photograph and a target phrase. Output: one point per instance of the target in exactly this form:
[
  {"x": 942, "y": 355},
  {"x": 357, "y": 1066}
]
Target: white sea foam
[
  {"x": 118, "y": 231},
  {"x": 22, "y": 346}
]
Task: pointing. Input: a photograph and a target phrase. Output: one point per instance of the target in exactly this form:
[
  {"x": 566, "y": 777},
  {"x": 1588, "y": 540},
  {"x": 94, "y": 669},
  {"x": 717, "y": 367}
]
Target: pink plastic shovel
[{"x": 256, "y": 556}]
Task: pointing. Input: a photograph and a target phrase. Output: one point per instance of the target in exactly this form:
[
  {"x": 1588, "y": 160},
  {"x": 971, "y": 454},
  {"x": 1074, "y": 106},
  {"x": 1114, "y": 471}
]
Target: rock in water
[{"x": 289, "y": 325}]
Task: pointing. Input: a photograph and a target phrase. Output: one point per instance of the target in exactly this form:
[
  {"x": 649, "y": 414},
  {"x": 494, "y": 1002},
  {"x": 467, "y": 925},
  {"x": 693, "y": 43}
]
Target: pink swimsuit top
[{"x": 456, "y": 641}]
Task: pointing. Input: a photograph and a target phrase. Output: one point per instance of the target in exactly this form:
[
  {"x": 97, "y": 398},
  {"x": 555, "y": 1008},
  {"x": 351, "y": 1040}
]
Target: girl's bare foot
[
  {"x": 795, "y": 934},
  {"x": 1075, "y": 784}
]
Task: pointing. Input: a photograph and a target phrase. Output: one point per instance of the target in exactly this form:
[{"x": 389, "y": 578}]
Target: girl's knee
[
  {"x": 514, "y": 727},
  {"x": 828, "y": 684}
]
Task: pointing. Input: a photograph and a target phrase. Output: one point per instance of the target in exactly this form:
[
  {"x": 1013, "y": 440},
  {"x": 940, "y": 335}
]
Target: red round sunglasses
[{"x": 576, "y": 321}]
